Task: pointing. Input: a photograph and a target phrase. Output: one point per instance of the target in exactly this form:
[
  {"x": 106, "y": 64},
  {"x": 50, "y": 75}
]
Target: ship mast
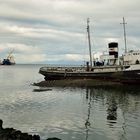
[
  {"x": 89, "y": 42},
  {"x": 124, "y": 34}
]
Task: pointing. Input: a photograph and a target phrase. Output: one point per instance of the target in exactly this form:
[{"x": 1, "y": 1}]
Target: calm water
[{"x": 67, "y": 113}]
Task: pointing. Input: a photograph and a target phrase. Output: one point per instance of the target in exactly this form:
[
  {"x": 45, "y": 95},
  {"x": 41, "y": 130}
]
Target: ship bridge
[{"x": 131, "y": 57}]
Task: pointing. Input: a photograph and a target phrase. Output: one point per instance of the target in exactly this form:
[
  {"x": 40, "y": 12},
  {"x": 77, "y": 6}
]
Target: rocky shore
[
  {"x": 76, "y": 83},
  {"x": 13, "y": 134},
  {"x": 86, "y": 83}
]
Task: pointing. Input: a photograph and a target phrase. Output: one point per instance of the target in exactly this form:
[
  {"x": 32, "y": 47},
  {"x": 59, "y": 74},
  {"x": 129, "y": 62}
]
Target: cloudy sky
[{"x": 54, "y": 31}]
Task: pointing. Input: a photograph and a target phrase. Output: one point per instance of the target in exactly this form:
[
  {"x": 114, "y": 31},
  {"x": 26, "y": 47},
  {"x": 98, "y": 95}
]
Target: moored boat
[
  {"x": 124, "y": 69},
  {"x": 125, "y": 74},
  {"x": 9, "y": 60}
]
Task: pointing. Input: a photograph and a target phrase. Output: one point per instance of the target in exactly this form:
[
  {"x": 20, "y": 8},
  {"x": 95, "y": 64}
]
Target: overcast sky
[{"x": 54, "y": 31}]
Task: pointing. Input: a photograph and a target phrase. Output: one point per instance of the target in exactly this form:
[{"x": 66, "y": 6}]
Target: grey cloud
[{"x": 58, "y": 27}]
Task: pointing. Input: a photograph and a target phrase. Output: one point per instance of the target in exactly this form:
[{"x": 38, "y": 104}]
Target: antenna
[
  {"x": 88, "y": 30},
  {"x": 124, "y": 34}
]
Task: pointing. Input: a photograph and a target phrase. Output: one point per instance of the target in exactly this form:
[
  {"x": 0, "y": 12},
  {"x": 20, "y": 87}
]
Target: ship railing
[
  {"x": 81, "y": 68},
  {"x": 62, "y": 69}
]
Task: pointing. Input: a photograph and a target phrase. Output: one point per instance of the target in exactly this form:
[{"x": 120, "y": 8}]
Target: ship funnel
[{"x": 113, "y": 49}]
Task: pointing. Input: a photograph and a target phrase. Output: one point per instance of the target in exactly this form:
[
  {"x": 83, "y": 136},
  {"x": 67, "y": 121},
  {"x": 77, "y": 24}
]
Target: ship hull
[
  {"x": 130, "y": 76},
  {"x": 7, "y": 62}
]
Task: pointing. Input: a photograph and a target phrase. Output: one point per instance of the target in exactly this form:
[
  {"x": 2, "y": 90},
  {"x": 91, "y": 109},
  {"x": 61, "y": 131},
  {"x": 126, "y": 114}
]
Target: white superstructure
[{"x": 131, "y": 57}]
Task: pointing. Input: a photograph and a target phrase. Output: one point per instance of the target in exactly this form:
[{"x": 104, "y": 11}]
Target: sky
[{"x": 54, "y": 31}]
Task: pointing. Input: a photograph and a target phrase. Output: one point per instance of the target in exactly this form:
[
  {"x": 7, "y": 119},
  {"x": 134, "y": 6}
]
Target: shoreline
[
  {"x": 76, "y": 83},
  {"x": 86, "y": 83},
  {"x": 13, "y": 134}
]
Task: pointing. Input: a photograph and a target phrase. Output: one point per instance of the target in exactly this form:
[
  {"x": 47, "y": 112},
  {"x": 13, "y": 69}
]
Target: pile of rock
[{"x": 13, "y": 134}]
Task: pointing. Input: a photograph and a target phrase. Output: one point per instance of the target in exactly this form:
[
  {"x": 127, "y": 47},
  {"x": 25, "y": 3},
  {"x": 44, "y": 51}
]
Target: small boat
[
  {"x": 9, "y": 60},
  {"x": 124, "y": 69}
]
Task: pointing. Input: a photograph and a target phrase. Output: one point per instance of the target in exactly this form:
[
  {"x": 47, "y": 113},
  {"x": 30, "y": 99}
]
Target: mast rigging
[
  {"x": 124, "y": 34},
  {"x": 89, "y": 42}
]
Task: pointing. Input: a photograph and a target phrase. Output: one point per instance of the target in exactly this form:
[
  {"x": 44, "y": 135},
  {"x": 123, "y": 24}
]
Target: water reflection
[
  {"x": 120, "y": 104},
  {"x": 99, "y": 113},
  {"x": 87, "y": 123},
  {"x": 112, "y": 109}
]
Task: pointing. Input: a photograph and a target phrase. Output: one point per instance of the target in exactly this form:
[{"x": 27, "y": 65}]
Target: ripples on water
[{"x": 101, "y": 113}]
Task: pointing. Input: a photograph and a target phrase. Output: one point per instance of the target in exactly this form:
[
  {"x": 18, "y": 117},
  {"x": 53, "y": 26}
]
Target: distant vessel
[
  {"x": 124, "y": 69},
  {"x": 9, "y": 60}
]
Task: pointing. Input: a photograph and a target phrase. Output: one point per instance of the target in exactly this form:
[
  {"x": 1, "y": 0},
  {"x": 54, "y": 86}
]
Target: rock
[
  {"x": 41, "y": 89},
  {"x": 13, "y": 134},
  {"x": 53, "y": 139},
  {"x": 36, "y": 137},
  {"x": 1, "y": 123}
]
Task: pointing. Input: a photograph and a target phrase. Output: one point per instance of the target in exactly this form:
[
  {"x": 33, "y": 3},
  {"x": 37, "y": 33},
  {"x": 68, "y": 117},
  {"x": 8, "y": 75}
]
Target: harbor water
[{"x": 68, "y": 113}]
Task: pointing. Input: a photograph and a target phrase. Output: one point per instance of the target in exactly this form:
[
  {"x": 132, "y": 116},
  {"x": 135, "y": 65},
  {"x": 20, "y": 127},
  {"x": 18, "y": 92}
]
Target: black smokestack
[{"x": 113, "y": 49}]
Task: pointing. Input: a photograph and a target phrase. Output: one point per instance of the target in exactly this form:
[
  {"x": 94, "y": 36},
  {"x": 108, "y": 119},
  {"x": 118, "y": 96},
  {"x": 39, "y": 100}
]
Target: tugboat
[
  {"x": 124, "y": 69},
  {"x": 9, "y": 60}
]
